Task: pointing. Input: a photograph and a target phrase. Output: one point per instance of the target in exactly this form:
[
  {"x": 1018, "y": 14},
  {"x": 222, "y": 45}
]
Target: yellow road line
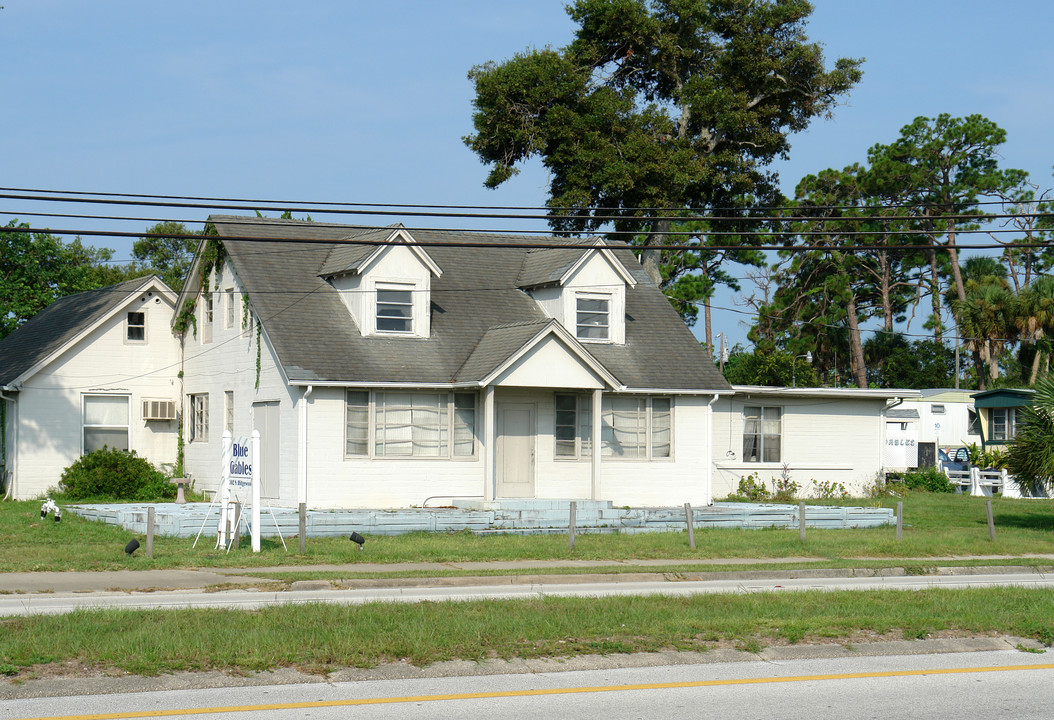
[{"x": 529, "y": 693}]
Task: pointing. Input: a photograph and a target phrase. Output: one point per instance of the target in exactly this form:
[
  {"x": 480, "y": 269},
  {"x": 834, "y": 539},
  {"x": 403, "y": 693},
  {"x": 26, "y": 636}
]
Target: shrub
[
  {"x": 930, "y": 480},
  {"x": 116, "y": 474},
  {"x": 828, "y": 489},
  {"x": 784, "y": 488},
  {"x": 751, "y": 489}
]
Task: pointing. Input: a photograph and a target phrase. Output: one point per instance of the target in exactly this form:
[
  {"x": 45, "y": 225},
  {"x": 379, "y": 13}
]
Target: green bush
[
  {"x": 115, "y": 474},
  {"x": 930, "y": 480}
]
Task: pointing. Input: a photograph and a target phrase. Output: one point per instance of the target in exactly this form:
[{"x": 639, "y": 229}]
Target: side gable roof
[
  {"x": 62, "y": 323},
  {"x": 316, "y": 340}
]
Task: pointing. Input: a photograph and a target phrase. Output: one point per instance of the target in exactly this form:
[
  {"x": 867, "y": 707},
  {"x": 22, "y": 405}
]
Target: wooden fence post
[
  {"x": 900, "y": 521},
  {"x": 571, "y": 526},
  {"x": 991, "y": 520},
  {"x": 691, "y": 525},
  {"x": 150, "y": 532},
  {"x": 801, "y": 521},
  {"x": 303, "y": 527}
]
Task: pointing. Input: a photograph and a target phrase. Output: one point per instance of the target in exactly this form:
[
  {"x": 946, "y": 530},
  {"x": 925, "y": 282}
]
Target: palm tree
[
  {"x": 1030, "y": 456},
  {"x": 1035, "y": 319},
  {"x": 987, "y": 315}
]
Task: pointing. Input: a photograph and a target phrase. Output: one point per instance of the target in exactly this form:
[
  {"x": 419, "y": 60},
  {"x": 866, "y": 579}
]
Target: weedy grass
[{"x": 320, "y": 638}]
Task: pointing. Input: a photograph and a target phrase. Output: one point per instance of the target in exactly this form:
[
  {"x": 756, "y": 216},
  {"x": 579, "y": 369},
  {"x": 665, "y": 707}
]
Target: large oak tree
[{"x": 658, "y": 109}]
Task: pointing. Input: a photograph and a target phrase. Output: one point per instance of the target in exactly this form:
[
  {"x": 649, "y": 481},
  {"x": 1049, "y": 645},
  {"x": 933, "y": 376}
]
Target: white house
[
  {"x": 92, "y": 369},
  {"x": 947, "y": 417},
  {"x": 385, "y": 367},
  {"x": 826, "y": 435}
]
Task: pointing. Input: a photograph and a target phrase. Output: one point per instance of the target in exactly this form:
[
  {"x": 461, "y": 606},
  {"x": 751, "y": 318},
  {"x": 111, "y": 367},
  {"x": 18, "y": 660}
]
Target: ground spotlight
[
  {"x": 131, "y": 547},
  {"x": 357, "y": 539}
]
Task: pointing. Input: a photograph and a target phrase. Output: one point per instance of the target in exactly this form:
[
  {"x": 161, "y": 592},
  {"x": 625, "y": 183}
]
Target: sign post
[
  {"x": 241, "y": 458},
  {"x": 256, "y": 478}
]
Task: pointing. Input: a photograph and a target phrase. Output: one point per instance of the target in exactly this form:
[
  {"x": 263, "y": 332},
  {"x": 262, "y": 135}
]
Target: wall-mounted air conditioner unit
[{"x": 159, "y": 409}]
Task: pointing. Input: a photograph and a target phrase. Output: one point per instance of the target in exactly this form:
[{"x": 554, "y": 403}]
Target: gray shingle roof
[
  {"x": 478, "y": 294},
  {"x": 49, "y": 330}
]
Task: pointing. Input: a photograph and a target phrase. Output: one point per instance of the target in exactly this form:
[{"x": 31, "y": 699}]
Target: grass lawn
[
  {"x": 936, "y": 525},
  {"x": 150, "y": 642},
  {"x": 319, "y": 638}
]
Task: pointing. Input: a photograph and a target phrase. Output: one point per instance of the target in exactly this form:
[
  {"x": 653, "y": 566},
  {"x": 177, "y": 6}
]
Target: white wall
[
  {"x": 838, "y": 440},
  {"x": 946, "y": 430},
  {"x": 228, "y": 362},
  {"x": 49, "y": 404}
]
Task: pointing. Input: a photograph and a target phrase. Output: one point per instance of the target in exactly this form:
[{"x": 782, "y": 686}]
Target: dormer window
[
  {"x": 395, "y": 309},
  {"x": 593, "y": 317}
]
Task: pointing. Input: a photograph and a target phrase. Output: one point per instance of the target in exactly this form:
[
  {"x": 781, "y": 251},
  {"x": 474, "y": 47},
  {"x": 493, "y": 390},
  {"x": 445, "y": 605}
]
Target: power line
[
  {"x": 333, "y": 206},
  {"x": 564, "y": 245}
]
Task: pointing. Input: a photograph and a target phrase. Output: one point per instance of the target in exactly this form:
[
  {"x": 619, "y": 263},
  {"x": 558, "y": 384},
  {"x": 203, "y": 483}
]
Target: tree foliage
[
  {"x": 37, "y": 268},
  {"x": 1031, "y": 453},
  {"x": 657, "y": 110},
  {"x": 165, "y": 253}
]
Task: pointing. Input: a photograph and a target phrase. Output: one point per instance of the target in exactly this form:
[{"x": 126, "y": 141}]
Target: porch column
[
  {"x": 595, "y": 484},
  {"x": 489, "y": 442}
]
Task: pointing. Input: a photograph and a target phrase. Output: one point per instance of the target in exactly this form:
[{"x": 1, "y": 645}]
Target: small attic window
[
  {"x": 395, "y": 309},
  {"x": 136, "y": 327},
  {"x": 593, "y": 321}
]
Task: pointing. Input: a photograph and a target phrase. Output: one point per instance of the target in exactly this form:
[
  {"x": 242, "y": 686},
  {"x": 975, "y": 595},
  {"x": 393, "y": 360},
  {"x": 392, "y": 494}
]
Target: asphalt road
[
  {"x": 55, "y": 603},
  {"x": 965, "y": 686}
]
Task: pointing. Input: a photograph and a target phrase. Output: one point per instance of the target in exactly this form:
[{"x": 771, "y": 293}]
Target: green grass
[
  {"x": 319, "y": 638},
  {"x": 936, "y": 526}
]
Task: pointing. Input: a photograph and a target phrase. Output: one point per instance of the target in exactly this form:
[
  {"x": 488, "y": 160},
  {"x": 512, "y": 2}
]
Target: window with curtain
[
  {"x": 762, "y": 434},
  {"x": 637, "y": 427},
  {"x": 105, "y": 422},
  {"x": 410, "y": 424}
]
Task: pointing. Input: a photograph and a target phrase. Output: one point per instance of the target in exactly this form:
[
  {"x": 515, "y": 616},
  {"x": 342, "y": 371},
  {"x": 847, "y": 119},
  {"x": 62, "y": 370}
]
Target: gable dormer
[
  {"x": 583, "y": 287},
  {"x": 385, "y": 280}
]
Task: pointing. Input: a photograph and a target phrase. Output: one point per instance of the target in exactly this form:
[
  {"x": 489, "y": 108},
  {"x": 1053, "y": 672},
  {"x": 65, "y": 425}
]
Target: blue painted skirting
[{"x": 510, "y": 516}]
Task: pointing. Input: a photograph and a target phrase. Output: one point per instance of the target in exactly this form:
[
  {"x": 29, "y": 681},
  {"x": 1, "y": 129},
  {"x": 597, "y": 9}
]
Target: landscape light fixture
[
  {"x": 131, "y": 547},
  {"x": 357, "y": 539},
  {"x": 794, "y": 364}
]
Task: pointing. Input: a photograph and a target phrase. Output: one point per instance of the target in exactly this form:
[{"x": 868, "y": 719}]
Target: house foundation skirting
[{"x": 486, "y": 517}]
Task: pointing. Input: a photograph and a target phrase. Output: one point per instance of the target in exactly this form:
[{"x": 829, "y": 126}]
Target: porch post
[
  {"x": 489, "y": 442},
  {"x": 595, "y": 475}
]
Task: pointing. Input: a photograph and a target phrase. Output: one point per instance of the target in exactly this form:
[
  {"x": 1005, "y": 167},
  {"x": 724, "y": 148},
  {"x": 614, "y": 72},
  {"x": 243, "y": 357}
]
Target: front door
[
  {"x": 265, "y": 420},
  {"x": 515, "y": 451}
]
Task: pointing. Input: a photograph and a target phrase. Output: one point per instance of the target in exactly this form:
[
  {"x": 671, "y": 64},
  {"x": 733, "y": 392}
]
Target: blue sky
[{"x": 367, "y": 102}]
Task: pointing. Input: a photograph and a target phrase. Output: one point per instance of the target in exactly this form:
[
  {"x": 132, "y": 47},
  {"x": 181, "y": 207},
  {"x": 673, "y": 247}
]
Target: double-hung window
[
  {"x": 1004, "y": 421},
  {"x": 593, "y": 317},
  {"x": 106, "y": 422},
  {"x": 136, "y": 327},
  {"x": 573, "y": 434},
  {"x": 199, "y": 417},
  {"x": 231, "y": 308},
  {"x": 410, "y": 424},
  {"x": 207, "y": 317},
  {"x": 395, "y": 309},
  {"x": 762, "y": 434},
  {"x": 637, "y": 428}
]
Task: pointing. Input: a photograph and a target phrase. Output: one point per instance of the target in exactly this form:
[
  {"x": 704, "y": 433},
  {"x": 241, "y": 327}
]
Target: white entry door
[
  {"x": 515, "y": 451},
  {"x": 265, "y": 419}
]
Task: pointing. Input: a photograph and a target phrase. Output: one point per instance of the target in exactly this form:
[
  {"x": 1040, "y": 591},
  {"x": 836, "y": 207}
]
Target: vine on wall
[
  {"x": 259, "y": 330},
  {"x": 212, "y": 257}
]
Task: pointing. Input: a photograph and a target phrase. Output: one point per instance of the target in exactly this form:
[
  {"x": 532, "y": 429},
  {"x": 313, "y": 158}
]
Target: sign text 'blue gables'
[{"x": 241, "y": 468}]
